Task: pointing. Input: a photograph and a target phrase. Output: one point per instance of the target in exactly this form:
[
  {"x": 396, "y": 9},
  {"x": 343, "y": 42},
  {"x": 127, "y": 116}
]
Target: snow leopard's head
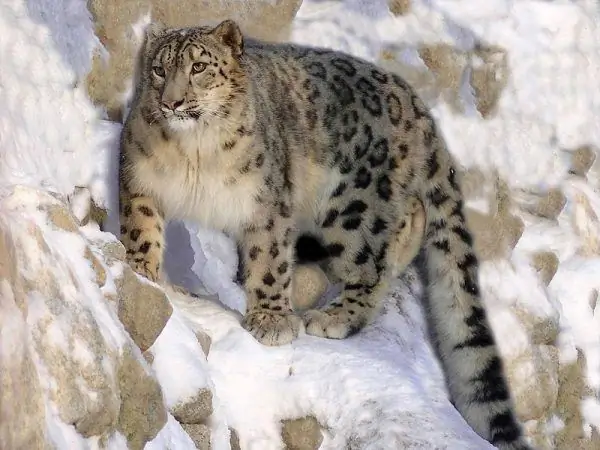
[{"x": 192, "y": 74}]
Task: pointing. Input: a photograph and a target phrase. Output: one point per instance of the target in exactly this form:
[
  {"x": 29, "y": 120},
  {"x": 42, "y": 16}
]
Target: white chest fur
[{"x": 199, "y": 188}]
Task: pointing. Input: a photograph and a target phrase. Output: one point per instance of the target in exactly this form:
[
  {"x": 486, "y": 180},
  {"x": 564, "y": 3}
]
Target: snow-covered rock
[{"x": 65, "y": 353}]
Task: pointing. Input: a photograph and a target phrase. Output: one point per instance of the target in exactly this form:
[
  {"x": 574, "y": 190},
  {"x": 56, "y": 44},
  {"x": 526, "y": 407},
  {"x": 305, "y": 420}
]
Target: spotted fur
[{"x": 275, "y": 142}]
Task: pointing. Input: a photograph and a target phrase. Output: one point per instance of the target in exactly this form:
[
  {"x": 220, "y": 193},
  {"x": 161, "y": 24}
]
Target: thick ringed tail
[{"x": 458, "y": 322}]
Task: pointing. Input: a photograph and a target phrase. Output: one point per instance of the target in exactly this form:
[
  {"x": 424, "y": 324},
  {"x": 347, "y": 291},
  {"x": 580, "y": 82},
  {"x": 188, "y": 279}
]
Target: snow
[
  {"x": 381, "y": 388},
  {"x": 37, "y": 88},
  {"x": 179, "y": 363}
]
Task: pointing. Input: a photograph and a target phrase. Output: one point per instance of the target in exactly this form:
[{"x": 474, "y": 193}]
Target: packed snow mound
[{"x": 110, "y": 360}]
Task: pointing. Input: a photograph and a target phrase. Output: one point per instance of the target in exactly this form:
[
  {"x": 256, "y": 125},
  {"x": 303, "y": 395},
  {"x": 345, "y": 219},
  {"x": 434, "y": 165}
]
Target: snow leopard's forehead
[{"x": 173, "y": 45}]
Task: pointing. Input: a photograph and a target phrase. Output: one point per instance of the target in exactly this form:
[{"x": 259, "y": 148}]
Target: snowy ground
[{"x": 52, "y": 136}]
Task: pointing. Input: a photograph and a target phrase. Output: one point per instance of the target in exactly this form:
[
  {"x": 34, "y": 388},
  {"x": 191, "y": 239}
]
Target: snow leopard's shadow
[{"x": 179, "y": 257}]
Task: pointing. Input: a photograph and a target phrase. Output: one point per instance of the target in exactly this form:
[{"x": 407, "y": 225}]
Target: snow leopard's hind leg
[{"x": 365, "y": 252}]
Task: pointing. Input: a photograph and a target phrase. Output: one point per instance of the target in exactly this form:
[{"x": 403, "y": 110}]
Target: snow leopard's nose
[{"x": 171, "y": 104}]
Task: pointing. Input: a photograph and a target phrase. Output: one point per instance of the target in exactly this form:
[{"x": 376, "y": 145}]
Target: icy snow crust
[{"x": 382, "y": 388}]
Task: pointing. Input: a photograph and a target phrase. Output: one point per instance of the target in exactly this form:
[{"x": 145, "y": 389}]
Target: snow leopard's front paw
[
  {"x": 271, "y": 328},
  {"x": 146, "y": 267},
  {"x": 331, "y": 323}
]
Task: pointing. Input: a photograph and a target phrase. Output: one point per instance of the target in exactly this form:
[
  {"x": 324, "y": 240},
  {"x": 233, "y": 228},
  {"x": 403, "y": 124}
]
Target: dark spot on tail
[
  {"x": 504, "y": 428},
  {"x": 432, "y": 165},
  {"x": 457, "y": 211},
  {"x": 437, "y": 197},
  {"x": 490, "y": 385},
  {"x": 452, "y": 180},
  {"x": 363, "y": 255},
  {"x": 470, "y": 285},
  {"x": 468, "y": 262},
  {"x": 442, "y": 245},
  {"x": 464, "y": 235},
  {"x": 481, "y": 337}
]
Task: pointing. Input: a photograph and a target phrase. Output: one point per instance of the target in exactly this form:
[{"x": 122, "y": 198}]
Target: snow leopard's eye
[
  {"x": 158, "y": 71},
  {"x": 198, "y": 67}
]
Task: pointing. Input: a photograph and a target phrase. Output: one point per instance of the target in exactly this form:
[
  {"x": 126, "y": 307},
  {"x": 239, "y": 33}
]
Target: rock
[
  {"x": 22, "y": 410},
  {"x": 148, "y": 356},
  {"x": 513, "y": 230},
  {"x": 582, "y": 160},
  {"x": 494, "y": 234},
  {"x": 540, "y": 438},
  {"x": 533, "y": 377},
  {"x": 199, "y": 433},
  {"x": 548, "y": 206},
  {"x": 142, "y": 413},
  {"x": 546, "y": 264},
  {"x": 593, "y": 300},
  {"x": 80, "y": 201},
  {"x": 571, "y": 391},
  {"x": 497, "y": 231},
  {"x": 423, "y": 80},
  {"x": 112, "y": 251},
  {"x": 234, "y": 440},
  {"x": 399, "y": 7},
  {"x": 195, "y": 410},
  {"x": 448, "y": 64},
  {"x": 474, "y": 183},
  {"x": 65, "y": 336},
  {"x": 489, "y": 76},
  {"x": 585, "y": 224},
  {"x": 61, "y": 217},
  {"x": 308, "y": 285},
  {"x": 143, "y": 309},
  {"x": 204, "y": 340},
  {"x": 96, "y": 266},
  {"x": 302, "y": 434},
  {"x": 541, "y": 330}
]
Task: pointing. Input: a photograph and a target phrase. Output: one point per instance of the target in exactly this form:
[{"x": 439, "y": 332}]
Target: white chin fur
[{"x": 177, "y": 124}]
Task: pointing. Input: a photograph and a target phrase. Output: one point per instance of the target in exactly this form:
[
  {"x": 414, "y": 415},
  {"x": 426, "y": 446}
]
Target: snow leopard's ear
[
  {"x": 152, "y": 32},
  {"x": 228, "y": 33}
]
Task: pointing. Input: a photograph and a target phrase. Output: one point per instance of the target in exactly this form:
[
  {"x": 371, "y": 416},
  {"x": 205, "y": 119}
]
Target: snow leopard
[{"x": 298, "y": 152}]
